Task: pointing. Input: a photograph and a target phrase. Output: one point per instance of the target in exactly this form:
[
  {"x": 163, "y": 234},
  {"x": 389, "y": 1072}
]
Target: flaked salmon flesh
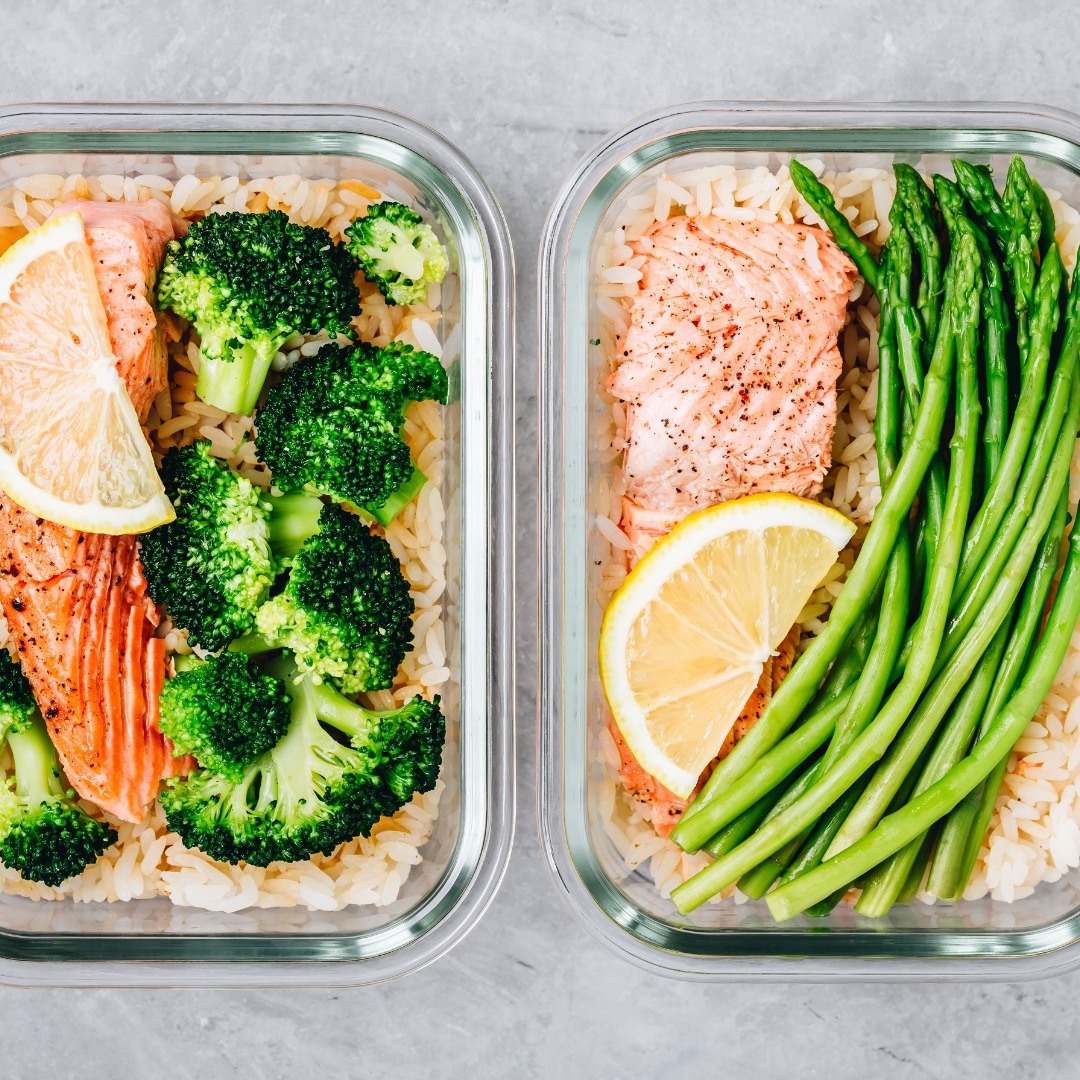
[
  {"x": 729, "y": 366},
  {"x": 76, "y": 603}
]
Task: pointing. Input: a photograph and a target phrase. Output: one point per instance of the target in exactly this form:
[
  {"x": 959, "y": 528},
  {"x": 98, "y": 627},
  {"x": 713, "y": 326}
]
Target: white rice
[
  {"x": 1035, "y": 833},
  {"x": 148, "y": 860}
]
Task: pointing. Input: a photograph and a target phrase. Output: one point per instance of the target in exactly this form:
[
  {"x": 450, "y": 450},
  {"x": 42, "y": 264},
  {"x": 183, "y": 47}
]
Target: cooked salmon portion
[
  {"x": 663, "y": 806},
  {"x": 127, "y": 242},
  {"x": 76, "y": 603},
  {"x": 729, "y": 366},
  {"x": 83, "y": 625}
]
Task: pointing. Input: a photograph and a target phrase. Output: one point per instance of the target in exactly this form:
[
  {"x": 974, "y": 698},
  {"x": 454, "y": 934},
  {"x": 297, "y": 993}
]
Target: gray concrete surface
[{"x": 525, "y": 88}]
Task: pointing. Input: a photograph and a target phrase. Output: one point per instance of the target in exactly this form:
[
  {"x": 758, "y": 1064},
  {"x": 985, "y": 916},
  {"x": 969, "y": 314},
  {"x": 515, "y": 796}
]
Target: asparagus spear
[
  {"x": 896, "y": 293},
  {"x": 772, "y": 768},
  {"x": 977, "y": 184},
  {"x": 821, "y": 202},
  {"x": 917, "y": 203},
  {"x": 898, "y": 878},
  {"x": 731, "y": 836},
  {"x": 873, "y": 743},
  {"x": 962, "y": 833},
  {"x": 1022, "y": 244},
  {"x": 1009, "y": 506},
  {"x": 888, "y": 880},
  {"x": 931, "y": 625},
  {"x": 1015, "y": 451},
  {"x": 961, "y": 663},
  {"x": 901, "y": 827},
  {"x": 1047, "y": 224},
  {"x": 995, "y": 322}
]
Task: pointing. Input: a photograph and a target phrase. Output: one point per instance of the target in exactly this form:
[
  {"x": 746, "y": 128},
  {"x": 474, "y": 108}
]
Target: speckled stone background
[{"x": 525, "y": 88}]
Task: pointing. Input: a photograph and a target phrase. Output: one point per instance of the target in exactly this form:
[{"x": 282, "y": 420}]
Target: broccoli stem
[
  {"x": 253, "y": 644},
  {"x": 234, "y": 383},
  {"x": 294, "y": 518},
  {"x": 37, "y": 772},
  {"x": 397, "y": 502}
]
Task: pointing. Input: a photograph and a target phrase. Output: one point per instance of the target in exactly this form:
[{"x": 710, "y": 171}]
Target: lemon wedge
[
  {"x": 684, "y": 640},
  {"x": 71, "y": 447}
]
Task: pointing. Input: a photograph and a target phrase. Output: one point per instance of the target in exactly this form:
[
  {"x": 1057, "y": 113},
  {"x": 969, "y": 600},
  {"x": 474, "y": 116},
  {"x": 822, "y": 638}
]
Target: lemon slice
[
  {"x": 71, "y": 448},
  {"x": 684, "y": 640}
]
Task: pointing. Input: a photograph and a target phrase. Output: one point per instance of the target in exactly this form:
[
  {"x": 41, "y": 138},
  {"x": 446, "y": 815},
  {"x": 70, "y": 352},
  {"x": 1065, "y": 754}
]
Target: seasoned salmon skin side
[
  {"x": 127, "y": 242},
  {"x": 83, "y": 625},
  {"x": 76, "y": 603}
]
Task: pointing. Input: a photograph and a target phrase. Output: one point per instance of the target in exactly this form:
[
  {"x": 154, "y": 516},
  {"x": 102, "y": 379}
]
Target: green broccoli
[
  {"x": 249, "y": 282},
  {"x": 44, "y": 834},
  {"x": 17, "y": 702},
  {"x": 223, "y": 712},
  {"x": 311, "y": 792},
  {"x": 346, "y": 611},
  {"x": 213, "y": 566},
  {"x": 397, "y": 252},
  {"x": 334, "y": 424}
]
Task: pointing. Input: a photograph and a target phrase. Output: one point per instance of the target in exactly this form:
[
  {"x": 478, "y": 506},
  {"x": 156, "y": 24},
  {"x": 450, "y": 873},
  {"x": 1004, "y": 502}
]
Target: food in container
[
  {"x": 320, "y": 191},
  {"x": 697, "y": 181}
]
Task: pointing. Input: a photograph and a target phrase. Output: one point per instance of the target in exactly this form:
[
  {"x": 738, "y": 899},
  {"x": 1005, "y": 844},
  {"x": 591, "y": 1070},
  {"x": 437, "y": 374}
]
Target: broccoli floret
[
  {"x": 334, "y": 424},
  {"x": 223, "y": 712},
  {"x": 249, "y": 282},
  {"x": 312, "y": 791},
  {"x": 44, "y": 834},
  {"x": 214, "y": 564},
  {"x": 346, "y": 611},
  {"x": 397, "y": 252},
  {"x": 16, "y": 696}
]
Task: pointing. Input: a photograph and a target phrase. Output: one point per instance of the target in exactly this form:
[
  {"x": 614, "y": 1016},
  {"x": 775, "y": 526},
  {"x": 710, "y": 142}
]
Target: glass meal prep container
[
  {"x": 1034, "y": 937},
  {"x": 152, "y": 942}
]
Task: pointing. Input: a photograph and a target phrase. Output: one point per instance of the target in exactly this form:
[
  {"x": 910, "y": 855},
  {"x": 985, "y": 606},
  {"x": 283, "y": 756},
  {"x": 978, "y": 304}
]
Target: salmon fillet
[
  {"x": 83, "y": 625},
  {"x": 127, "y": 242},
  {"x": 664, "y": 807},
  {"x": 728, "y": 371},
  {"x": 729, "y": 366},
  {"x": 76, "y": 603}
]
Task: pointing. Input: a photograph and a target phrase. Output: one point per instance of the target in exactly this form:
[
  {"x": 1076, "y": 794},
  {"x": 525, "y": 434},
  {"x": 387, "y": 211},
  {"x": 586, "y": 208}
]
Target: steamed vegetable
[
  {"x": 346, "y": 611},
  {"x": 44, "y": 833},
  {"x": 397, "y": 251},
  {"x": 338, "y": 769},
  {"x": 908, "y": 822},
  {"x": 213, "y": 566},
  {"x": 223, "y": 712},
  {"x": 333, "y": 425},
  {"x": 249, "y": 282}
]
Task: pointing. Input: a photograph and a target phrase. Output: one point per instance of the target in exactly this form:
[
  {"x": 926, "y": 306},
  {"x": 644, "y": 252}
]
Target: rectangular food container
[
  {"x": 151, "y": 942},
  {"x": 1035, "y": 937}
]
